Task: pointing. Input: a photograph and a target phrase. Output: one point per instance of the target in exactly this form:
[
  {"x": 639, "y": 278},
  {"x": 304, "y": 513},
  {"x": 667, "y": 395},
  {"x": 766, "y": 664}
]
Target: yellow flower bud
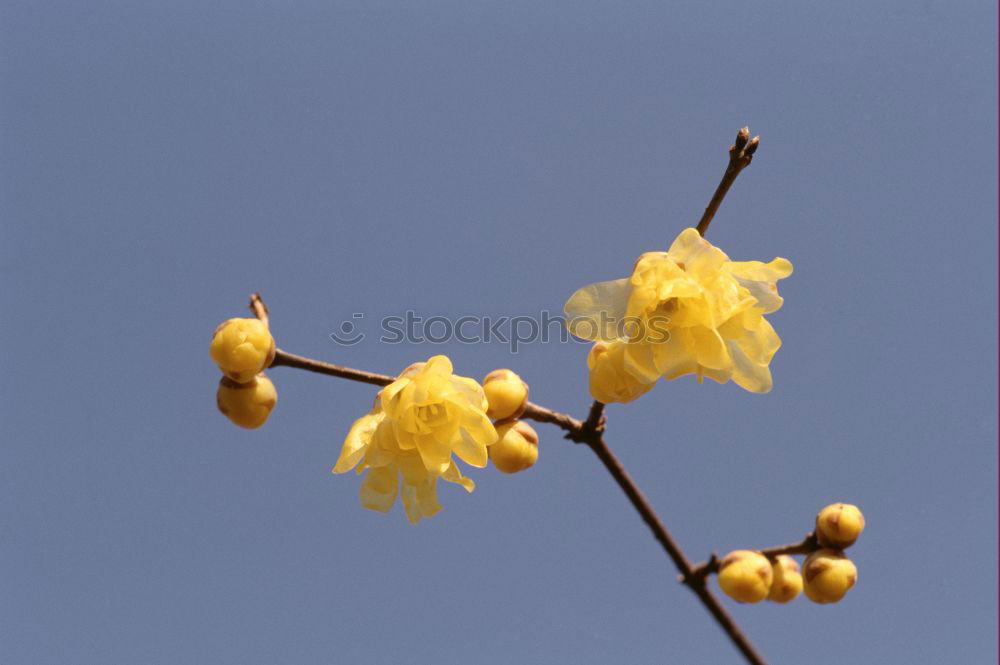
[
  {"x": 787, "y": 582},
  {"x": 517, "y": 448},
  {"x": 242, "y": 348},
  {"x": 828, "y": 575},
  {"x": 506, "y": 393},
  {"x": 247, "y": 404},
  {"x": 610, "y": 380},
  {"x": 839, "y": 525},
  {"x": 745, "y": 576}
]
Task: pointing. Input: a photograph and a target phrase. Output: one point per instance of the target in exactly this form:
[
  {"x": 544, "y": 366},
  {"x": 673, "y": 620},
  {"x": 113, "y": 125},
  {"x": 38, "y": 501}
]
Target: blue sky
[{"x": 160, "y": 161}]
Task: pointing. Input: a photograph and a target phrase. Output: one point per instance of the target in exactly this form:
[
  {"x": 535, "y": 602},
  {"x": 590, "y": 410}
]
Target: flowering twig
[
  {"x": 740, "y": 156},
  {"x": 807, "y": 545},
  {"x": 590, "y": 431}
]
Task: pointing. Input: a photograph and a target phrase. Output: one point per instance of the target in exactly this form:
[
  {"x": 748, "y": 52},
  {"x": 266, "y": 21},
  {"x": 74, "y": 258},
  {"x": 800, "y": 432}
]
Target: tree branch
[
  {"x": 740, "y": 156},
  {"x": 591, "y": 432}
]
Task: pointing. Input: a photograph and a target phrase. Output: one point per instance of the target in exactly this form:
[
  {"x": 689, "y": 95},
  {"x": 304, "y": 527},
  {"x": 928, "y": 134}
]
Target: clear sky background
[{"x": 160, "y": 161}]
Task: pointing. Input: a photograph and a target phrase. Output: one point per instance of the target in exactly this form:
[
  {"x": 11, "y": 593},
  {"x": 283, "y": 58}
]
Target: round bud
[
  {"x": 610, "y": 382},
  {"x": 745, "y": 576},
  {"x": 839, "y": 525},
  {"x": 828, "y": 575},
  {"x": 247, "y": 404},
  {"x": 242, "y": 348},
  {"x": 506, "y": 393},
  {"x": 787, "y": 582},
  {"x": 517, "y": 447}
]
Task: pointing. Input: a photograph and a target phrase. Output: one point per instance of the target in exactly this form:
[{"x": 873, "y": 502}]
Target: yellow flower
[
  {"x": 828, "y": 576},
  {"x": 839, "y": 525},
  {"x": 787, "y": 582},
  {"x": 407, "y": 439},
  {"x": 609, "y": 380},
  {"x": 242, "y": 348},
  {"x": 517, "y": 447},
  {"x": 745, "y": 576},
  {"x": 247, "y": 405},
  {"x": 506, "y": 393},
  {"x": 689, "y": 310}
]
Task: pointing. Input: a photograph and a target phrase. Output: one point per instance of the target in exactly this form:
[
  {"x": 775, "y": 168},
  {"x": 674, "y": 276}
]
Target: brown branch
[
  {"x": 673, "y": 550},
  {"x": 740, "y": 156},
  {"x": 258, "y": 308},
  {"x": 286, "y": 359},
  {"x": 807, "y": 545}
]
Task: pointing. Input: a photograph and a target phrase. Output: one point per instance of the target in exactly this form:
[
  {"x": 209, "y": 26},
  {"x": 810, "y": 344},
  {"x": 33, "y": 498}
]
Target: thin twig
[
  {"x": 696, "y": 584},
  {"x": 740, "y": 156},
  {"x": 258, "y": 308}
]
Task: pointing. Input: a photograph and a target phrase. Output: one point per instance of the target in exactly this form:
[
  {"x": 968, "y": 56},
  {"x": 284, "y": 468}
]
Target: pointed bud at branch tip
[
  {"x": 752, "y": 147},
  {"x": 742, "y": 137}
]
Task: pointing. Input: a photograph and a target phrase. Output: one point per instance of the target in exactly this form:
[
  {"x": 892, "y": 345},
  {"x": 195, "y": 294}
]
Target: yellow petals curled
[
  {"x": 787, "y": 582},
  {"x": 610, "y": 381},
  {"x": 839, "y": 525},
  {"x": 689, "y": 310},
  {"x": 405, "y": 443},
  {"x": 506, "y": 393},
  {"x": 828, "y": 575},
  {"x": 247, "y": 405},
  {"x": 242, "y": 348},
  {"x": 745, "y": 576},
  {"x": 517, "y": 447}
]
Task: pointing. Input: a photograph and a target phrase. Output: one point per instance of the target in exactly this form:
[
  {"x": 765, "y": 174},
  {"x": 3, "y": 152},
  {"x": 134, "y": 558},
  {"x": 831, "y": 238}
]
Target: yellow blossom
[
  {"x": 517, "y": 447},
  {"x": 242, "y": 348},
  {"x": 506, "y": 393},
  {"x": 247, "y": 404},
  {"x": 609, "y": 380},
  {"x": 745, "y": 576},
  {"x": 406, "y": 441},
  {"x": 828, "y": 576},
  {"x": 689, "y": 310},
  {"x": 787, "y": 582},
  {"x": 839, "y": 525}
]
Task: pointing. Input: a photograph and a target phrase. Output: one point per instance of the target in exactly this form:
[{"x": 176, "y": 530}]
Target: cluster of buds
[
  {"x": 243, "y": 348},
  {"x": 826, "y": 576},
  {"x": 516, "y": 448}
]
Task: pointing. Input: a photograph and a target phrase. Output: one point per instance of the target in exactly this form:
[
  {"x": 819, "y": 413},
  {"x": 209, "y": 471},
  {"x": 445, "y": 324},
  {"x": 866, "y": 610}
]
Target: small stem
[
  {"x": 286, "y": 359},
  {"x": 258, "y": 308},
  {"x": 740, "y": 156}
]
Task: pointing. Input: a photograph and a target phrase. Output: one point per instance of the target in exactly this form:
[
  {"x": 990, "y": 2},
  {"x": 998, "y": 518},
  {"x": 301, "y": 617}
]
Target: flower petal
[
  {"x": 595, "y": 311},
  {"x": 454, "y": 475},
  {"x": 379, "y": 488},
  {"x": 747, "y": 374},
  {"x": 469, "y": 450},
  {"x": 357, "y": 441},
  {"x": 760, "y": 280},
  {"x": 695, "y": 254}
]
